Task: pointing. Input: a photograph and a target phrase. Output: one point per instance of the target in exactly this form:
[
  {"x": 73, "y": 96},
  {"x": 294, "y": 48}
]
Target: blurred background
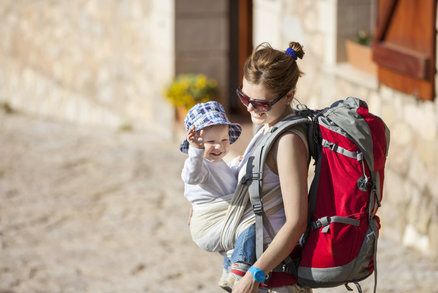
[{"x": 90, "y": 195}]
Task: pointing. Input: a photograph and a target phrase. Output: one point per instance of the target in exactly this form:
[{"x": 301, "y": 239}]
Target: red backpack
[{"x": 349, "y": 146}]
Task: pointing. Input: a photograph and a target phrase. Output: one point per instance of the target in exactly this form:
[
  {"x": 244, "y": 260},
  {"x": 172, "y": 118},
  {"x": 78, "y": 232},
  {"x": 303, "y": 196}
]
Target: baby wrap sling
[{"x": 216, "y": 225}]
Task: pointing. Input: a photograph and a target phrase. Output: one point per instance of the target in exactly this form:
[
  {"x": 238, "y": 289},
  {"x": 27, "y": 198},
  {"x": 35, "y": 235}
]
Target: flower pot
[{"x": 360, "y": 57}]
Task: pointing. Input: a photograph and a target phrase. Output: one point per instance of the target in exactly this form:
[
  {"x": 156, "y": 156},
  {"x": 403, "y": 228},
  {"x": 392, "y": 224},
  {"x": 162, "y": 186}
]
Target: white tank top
[{"x": 270, "y": 179}]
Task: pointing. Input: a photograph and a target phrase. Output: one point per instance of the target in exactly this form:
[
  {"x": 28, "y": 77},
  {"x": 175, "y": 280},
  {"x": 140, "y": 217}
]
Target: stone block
[
  {"x": 394, "y": 189},
  {"x": 267, "y": 12},
  {"x": 394, "y": 203},
  {"x": 413, "y": 205},
  {"x": 391, "y": 114},
  {"x": 291, "y": 30},
  {"x": 375, "y": 104},
  {"x": 417, "y": 171},
  {"x": 392, "y": 225},
  {"x": 425, "y": 211},
  {"x": 433, "y": 236},
  {"x": 413, "y": 238},
  {"x": 432, "y": 184},
  {"x": 422, "y": 118},
  {"x": 314, "y": 43},
  {"x": 387, "y": 94},
  {"x": 399, "y": 158},
  {"x": 427, "y": 152},
  {"x": 401, "y": 135}
]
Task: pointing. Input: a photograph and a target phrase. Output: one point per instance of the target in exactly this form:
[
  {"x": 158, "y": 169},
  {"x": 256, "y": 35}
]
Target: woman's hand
[
  {"x": 194, "y": 138},
  {"x": 246, "y": 285}
]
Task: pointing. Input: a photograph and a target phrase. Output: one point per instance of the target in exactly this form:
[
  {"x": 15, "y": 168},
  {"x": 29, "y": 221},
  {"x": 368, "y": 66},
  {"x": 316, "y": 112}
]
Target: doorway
[{"x": 241, "y": 16}]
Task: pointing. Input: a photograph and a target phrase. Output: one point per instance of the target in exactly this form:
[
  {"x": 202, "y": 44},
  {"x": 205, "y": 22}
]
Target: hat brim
[{"x": 235, "y": 130}]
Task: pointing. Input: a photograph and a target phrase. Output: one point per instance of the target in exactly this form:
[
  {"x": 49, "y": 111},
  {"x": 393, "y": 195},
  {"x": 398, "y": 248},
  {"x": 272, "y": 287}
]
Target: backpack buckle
[
  {"x": 321, "y": 222},
  {"x": 333, "y": 147},
  {"x": 247, "y": 179},
  {"x": 257, "y": 208},
  {"x": 330, "y": 145}
]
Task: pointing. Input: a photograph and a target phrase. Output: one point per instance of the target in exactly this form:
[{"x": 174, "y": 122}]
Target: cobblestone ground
[{"x": 94, "y": 210}]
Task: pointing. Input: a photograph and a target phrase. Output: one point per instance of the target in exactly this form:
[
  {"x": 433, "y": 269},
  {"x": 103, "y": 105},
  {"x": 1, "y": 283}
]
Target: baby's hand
[{"x": 194, "y": 138}]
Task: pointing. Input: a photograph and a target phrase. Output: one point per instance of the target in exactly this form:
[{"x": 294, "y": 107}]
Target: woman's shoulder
[
  {"x": 296, "y": 134},
  {"x": 288, "y": 145},
  {"x": 293, "y": 140}
]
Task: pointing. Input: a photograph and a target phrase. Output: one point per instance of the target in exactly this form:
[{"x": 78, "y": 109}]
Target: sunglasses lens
[
  {"x": 261, "y": 106},
  {"x": 243, "y": 98}
]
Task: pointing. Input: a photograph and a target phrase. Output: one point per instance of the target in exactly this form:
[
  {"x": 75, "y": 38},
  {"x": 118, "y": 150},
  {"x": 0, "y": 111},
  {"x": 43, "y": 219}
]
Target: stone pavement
[{"x": 97, "y": 210}]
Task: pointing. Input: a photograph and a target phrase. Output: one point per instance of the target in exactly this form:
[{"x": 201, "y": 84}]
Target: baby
[{"x": 210, "y": 184}]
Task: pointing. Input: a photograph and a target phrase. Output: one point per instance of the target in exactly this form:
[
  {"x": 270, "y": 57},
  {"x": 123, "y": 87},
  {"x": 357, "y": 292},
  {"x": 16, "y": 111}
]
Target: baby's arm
[
  {"x": 234, "y": 163},
  {"x": 194, "y": 171}
]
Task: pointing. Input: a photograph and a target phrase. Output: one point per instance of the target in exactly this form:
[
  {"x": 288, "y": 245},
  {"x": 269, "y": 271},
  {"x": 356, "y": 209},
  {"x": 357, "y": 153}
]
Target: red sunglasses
[{"x": 259, "y": 105}]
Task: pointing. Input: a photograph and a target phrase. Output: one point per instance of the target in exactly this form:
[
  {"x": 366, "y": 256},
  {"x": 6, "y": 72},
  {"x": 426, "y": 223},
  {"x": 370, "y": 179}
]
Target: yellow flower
[{"x": 189, "y": 89}]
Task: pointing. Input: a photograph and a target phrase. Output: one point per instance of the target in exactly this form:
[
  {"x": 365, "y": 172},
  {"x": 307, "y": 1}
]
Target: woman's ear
[{"x": 290, "y": 96}]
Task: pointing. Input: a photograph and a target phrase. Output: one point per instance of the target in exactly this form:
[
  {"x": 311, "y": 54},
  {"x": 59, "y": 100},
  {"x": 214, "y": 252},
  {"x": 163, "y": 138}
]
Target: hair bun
[{"x": 299, "y": 52}]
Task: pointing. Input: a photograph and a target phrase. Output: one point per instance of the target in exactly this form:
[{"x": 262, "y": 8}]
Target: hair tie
[{"x": 291, "y": 52}]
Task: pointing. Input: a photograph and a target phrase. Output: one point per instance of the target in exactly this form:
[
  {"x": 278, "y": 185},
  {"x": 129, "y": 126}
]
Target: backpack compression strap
[{"x": 255, "y": 187}]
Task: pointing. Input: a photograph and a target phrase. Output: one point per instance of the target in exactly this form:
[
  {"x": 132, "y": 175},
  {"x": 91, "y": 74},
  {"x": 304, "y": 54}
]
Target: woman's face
[{"x": 259, "y": 92}]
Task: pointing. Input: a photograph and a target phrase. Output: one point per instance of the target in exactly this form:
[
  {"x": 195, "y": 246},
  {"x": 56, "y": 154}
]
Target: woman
[{"x": 270, "y": 77}]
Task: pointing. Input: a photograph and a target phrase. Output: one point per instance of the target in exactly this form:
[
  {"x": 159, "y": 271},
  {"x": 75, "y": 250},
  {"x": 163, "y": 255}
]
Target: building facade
[{"x": 107, "y": 63}]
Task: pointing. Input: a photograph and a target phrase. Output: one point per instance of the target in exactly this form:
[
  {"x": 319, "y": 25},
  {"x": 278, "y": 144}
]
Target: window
[{"x": 404, "y": 46}]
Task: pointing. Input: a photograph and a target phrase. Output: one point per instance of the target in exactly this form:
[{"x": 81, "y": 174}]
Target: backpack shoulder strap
[{"x": 256, "y": 170}]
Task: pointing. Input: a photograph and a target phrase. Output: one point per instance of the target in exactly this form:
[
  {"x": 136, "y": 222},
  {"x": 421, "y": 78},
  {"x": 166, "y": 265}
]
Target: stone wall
[
  {"x": 410, "y": 206},
  {"x": 90, "y": 62}
]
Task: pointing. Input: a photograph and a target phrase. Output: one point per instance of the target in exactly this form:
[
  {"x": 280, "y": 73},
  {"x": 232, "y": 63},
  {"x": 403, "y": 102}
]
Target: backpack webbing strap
[
  {"x": 340, "y": 150},
  {"x": 312, "y": 193},
  {"x": 324, "y": 222},
  {"x": 375, "y": 195},
  {"x": 358, "y": 287},
  {"x": 375, "y": 255},
  {"x": 255, "y": 197},
  {"x": 256, "y": 173}
]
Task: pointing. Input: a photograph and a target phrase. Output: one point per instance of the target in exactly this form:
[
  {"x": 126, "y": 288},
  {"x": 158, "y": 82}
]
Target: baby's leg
[{"x": 243, "y": 255}]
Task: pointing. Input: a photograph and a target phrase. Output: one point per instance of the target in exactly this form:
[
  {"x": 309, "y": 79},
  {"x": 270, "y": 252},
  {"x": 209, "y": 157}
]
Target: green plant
[
  {"x": 363, "y": 38},
  {"x": 189, "y": 89}
]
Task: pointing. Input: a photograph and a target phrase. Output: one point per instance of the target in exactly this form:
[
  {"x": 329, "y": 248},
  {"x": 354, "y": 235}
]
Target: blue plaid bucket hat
[{"x": 208, "y": 114}]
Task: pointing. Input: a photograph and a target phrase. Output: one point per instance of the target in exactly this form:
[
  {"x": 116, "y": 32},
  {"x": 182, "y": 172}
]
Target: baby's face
[{"x": 216, "y": 142}]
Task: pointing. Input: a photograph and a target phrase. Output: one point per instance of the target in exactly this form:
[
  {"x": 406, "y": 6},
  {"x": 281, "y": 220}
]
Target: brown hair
[{"x": 274, "y": 69}]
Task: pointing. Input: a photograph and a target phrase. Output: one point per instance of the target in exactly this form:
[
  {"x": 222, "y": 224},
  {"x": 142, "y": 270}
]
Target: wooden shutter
[{"x": 404, "y": 46}]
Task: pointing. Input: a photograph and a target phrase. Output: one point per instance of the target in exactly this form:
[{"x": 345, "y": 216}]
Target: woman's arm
[{"x": 290, "y": 153}]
